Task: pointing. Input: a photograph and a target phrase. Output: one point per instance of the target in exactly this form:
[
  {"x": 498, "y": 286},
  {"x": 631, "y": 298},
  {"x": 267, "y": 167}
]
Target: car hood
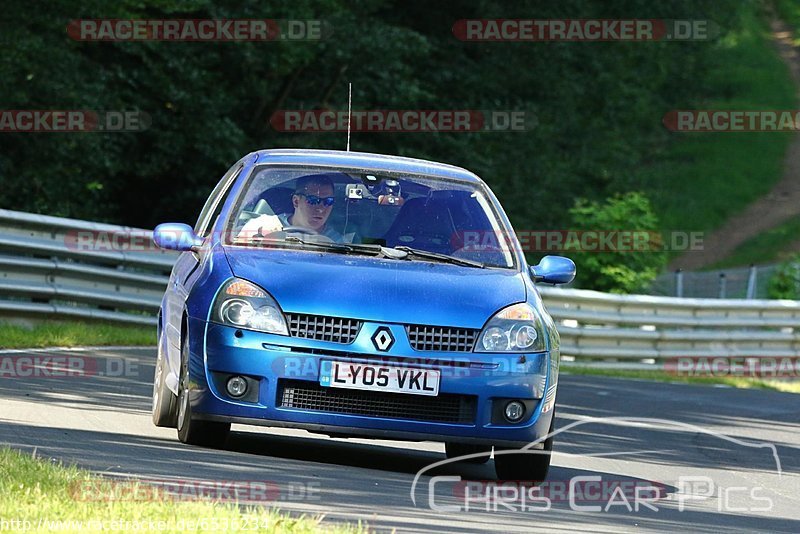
[{"x": 377, "y": 289}]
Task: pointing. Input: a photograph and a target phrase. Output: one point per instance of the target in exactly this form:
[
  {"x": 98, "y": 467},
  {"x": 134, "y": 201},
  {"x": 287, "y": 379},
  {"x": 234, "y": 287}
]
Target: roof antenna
[{"x": 349, "y": 102}]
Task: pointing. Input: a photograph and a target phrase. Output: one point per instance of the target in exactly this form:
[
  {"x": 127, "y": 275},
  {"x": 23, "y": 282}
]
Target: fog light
[
  {"x": 237, "y": 387},
  {"x": 514, "y": 411}
]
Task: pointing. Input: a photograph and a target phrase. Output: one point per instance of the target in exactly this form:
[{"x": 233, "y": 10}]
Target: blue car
[{"x": 355, "y": 294}]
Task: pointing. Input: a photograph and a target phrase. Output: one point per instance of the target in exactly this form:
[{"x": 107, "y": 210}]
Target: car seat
[
  {"x": 424, "y": 223},
  {"x": 275, "y": 201}
]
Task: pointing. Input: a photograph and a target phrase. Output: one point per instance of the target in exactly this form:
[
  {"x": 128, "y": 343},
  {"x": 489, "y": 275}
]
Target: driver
[{"x": 312, "y": 201}]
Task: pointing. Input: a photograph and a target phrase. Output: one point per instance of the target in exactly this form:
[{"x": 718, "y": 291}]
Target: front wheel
[
  {"x": 191, "y": 430},
  {"x": 530, "y": 464}
]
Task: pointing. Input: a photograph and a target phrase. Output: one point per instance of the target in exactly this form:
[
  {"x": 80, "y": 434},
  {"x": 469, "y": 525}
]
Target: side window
[
  {"x": 223, "y": 197},
  {"x": 216, "y": 200}
]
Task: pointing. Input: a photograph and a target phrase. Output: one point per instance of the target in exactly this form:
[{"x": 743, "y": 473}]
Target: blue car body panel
[
  {"x": 378, "y": 289},
  {"x": 381, "y": 293}
]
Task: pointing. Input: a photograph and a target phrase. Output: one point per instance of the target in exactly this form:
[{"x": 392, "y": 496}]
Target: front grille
[
  {"x": 322, "y": 328},
  {"x": 441, "y": 338},
  {"x": 444, "y": 408}
]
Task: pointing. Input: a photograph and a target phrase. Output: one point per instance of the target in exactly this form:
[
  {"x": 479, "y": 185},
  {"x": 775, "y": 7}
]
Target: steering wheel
[
  {"x": 297, "y": 230},
  {"x": 300, "y": 230}
]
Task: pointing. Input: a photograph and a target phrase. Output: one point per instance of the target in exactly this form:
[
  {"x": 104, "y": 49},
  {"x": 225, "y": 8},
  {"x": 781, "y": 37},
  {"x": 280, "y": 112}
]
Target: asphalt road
[{"x": 717, "y": 457}]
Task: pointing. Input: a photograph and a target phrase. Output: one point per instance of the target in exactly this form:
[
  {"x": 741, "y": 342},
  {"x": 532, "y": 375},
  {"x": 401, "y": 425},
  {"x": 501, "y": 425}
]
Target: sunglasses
[{"x": 314, "y": 200}]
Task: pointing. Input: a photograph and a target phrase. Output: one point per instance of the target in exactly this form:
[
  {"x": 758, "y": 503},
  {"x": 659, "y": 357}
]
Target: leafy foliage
[
  {"x": 598, "y": 106},
  {"x": 785, "y": 283},
  {"x": 633, "y": 266}
]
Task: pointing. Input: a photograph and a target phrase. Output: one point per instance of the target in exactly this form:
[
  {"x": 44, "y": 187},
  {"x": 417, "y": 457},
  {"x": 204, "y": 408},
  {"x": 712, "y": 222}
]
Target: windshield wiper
[
  {"x": 393, "y": 253},
  {"x": 338, "y": 247},
  {"x": 262, "y": 240},
  {"x": 439, "y": 257},
  {"x": 343, "y": 248}
]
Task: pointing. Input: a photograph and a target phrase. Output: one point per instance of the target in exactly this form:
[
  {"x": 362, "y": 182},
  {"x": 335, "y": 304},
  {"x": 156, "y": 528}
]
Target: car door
[{"x": 188, "y": 265}]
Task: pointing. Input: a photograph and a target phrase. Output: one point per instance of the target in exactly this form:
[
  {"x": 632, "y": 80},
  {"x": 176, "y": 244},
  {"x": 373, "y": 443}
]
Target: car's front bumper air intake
[{"x": 306, "y": 395}]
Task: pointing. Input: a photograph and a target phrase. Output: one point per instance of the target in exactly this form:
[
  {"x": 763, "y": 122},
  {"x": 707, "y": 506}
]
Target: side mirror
[
  {"x": 176, "y": 236},
  {"x": 553, "y": 270}
]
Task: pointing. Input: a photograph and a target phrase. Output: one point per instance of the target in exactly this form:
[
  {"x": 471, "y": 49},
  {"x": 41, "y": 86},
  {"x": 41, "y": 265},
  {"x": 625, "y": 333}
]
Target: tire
[
  {"x": 454, "y": 450},
  {"x": 165, "y": 403},
  {"x": 191, "y": 430},
  {"x": 528, "y": 465}
]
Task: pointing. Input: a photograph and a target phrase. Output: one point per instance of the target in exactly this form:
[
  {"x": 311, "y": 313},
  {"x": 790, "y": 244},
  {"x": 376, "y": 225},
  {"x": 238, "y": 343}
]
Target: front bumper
[{"x": 481, "y": 382}]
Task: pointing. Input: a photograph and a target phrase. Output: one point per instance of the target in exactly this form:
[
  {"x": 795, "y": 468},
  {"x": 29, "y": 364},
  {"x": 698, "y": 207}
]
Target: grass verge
[
  {"x": 768, "y": 247},
  {"x": 785, "y": 386},
  {"x": 44, "y": 496},
  {"x": 703, "y": 179},
  {"x": 73, "y": 334}
]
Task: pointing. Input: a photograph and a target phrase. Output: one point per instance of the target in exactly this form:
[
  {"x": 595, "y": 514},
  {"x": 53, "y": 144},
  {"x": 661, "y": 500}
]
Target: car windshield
[{"x": 401, "y": 216}]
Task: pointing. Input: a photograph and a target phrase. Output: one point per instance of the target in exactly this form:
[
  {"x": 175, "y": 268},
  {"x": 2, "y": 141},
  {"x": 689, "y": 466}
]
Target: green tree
[
  {"x": 618, "y": 271},
  {"x": 785, "y": 282},
  {"x": 598, "y": 105}
]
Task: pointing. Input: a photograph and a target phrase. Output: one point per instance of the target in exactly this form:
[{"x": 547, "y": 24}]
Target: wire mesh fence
[{"x": 735, "y": 283}]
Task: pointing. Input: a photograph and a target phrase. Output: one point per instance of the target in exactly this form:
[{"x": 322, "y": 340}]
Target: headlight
[
  {"x": 513, "y": 329},
  {"x": 245, "y": 305}
]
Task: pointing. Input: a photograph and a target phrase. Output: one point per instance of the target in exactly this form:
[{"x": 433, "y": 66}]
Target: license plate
[{"x": 379, "y": 378}]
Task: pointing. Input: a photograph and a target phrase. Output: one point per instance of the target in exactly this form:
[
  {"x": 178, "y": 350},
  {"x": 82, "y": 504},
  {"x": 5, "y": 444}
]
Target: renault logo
[{"x": 383, "y": 339}]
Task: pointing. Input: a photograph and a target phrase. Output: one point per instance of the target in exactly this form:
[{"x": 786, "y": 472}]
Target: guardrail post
[
  {"x": 679, "y": 283},
  {"x": 723, "y": 286},
  {"x": 751, "y": 282}
]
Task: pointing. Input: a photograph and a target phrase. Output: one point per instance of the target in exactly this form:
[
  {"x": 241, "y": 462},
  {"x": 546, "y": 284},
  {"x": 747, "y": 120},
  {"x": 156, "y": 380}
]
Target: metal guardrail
[
  {"x": 45, "y": 271},
  {"x": 56, "y": 267},
  {"x": 633, "y": 328}
]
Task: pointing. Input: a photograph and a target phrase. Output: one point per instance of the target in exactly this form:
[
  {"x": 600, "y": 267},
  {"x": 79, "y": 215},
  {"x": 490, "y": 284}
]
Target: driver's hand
[{"x": 263, "y": 225}]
